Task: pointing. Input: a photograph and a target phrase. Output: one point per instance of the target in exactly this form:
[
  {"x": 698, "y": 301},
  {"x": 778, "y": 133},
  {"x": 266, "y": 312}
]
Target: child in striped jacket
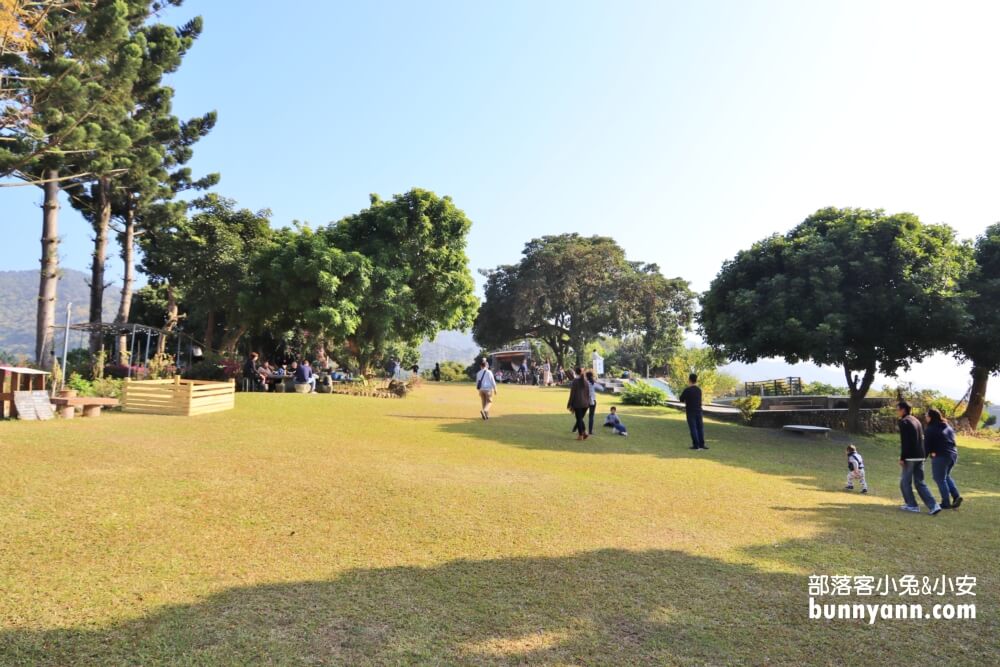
[{"x": 855, "y": 469}]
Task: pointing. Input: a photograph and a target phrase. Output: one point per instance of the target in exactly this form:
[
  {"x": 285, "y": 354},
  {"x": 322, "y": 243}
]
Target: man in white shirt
[{"x": 487, "y": 386}]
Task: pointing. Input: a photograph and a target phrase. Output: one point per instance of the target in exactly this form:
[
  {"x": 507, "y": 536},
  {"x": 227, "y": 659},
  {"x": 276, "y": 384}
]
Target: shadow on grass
[
  {"x": 817, "y": 462},
  {"x": 608, "y": 607}
]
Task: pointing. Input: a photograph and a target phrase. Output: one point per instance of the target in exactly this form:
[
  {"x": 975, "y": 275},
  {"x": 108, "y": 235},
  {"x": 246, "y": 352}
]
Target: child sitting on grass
[
  {"x": 615, "y": 422},
  {"x": 855, "y": 469}
]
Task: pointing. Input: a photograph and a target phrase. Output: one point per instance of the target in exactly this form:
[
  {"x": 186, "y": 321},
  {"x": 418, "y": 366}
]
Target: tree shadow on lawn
[
  {"x": 607, "y": 607},
  {"x": 817, "y": 462}
]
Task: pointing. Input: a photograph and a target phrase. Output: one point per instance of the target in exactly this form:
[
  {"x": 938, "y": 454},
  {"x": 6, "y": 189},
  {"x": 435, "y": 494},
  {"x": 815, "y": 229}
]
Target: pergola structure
[{"x": 141, "y": 339}]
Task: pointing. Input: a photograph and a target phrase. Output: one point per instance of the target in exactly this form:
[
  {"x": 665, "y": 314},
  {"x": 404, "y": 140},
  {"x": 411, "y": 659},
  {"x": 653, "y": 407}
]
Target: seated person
[
  {"x": 304, "y": 375},
  {"x": 615, "y": 422}
]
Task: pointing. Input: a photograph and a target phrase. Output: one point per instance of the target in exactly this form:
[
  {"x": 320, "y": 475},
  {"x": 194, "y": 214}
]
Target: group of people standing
[{"x": 918, "y": 442}]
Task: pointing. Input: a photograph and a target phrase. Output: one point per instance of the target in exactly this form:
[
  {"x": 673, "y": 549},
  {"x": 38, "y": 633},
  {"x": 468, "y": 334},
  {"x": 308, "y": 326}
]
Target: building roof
[{"x": 22, "y": 370}]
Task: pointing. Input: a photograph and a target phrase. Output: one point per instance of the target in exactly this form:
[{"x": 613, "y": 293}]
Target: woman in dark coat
[
  {"x": 579, "y": 403},
  {"x": 939, "y": 439}
]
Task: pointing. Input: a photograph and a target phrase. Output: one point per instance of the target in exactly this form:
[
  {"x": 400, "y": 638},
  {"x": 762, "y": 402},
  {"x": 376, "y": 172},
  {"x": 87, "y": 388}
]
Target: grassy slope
[{"x": 329, "y": 529}]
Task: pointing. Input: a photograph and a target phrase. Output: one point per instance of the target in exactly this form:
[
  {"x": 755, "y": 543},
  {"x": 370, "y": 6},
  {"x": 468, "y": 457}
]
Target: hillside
[
  {"x": 448, "y": 346},
  {"x": 18, "y": 296}
]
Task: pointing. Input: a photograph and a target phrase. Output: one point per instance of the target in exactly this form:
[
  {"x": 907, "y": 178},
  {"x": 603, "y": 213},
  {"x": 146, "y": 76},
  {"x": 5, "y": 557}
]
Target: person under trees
[{"x": 850, "y": 287}]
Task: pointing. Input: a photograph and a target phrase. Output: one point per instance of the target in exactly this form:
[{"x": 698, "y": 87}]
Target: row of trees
[
  {"x": 863, "y": 290},
  {"x": 569, "y": 291},
  {"x": 357, "y": 290},
  {"x": 86, "y": 112}
]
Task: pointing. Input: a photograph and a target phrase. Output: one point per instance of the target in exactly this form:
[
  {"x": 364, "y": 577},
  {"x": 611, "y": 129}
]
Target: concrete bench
[
  {"x": 91, "y": 406},
  {"x": 806, "y": 430}
]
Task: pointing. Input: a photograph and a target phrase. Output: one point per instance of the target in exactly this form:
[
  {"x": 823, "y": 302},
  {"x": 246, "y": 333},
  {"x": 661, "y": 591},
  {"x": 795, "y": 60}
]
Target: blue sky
[{"x": 685, "y": 130}]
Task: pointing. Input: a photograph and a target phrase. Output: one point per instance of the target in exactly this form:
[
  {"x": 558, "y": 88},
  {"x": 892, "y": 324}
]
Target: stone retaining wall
[{"x": 871, "y": 420}]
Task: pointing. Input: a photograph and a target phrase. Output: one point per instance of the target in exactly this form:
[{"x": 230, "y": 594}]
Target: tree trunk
[
  {"x": 49, "y": 274},
  {"x": 977, "y": 396},
  {"x": 173, "y": 316},
  {"x": 128, "y": 262},
  {"x": 209, "y": 331},
  {"x": 558, "y": 350},
  {"x": 858, "y": 391},
  {"x": 231, "y": 340},
  {"x": 101, "y": 224}
]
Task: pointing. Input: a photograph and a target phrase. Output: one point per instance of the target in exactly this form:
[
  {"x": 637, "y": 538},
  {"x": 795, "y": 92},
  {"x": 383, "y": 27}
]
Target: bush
[
  {"x": 104, "y": 387},
  {"x": 640, "y": 393},
  {"x": 214, "y": 368},
  {"x": 451, "y": 371},
  {"x": 205, "y": 370},
  {"x": 747, "y": 406}
]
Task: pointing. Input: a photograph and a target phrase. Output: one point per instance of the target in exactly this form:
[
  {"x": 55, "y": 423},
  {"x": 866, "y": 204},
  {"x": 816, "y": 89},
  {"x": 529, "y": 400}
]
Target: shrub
[
  {"x": 747, "y": 406},
  {"x": 205, "y": 370},
  {"x": 104, "y": 387},
  {"x": 79, "y": 384},
  {"x": 215, "y": 368},
  {"x": 451, "y": 371},
  {"x": 640, "y": 393}
]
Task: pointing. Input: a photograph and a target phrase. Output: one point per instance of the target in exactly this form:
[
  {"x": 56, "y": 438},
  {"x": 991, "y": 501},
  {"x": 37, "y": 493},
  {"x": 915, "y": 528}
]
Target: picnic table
[{"x": 91, "y": 405}]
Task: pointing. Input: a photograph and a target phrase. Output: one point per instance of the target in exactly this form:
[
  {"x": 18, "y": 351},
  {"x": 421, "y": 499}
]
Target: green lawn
[{"x": 339, "y": 530}]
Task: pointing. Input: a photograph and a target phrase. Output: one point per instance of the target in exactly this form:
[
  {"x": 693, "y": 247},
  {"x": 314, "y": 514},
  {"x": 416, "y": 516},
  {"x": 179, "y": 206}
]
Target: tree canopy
[
  {"x": 856, "y": 288},
  {"x": 978, "y": 340},
  {"x": 419, "y": 275},
  {"x": 570, "y": 290}
]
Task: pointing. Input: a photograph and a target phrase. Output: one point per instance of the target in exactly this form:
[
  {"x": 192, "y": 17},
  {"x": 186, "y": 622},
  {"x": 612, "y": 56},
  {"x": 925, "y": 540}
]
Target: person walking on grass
[
  {"x": 579, "y": 403},
  {"x": 911, "y": 460},
  {"x": 592, "y": 385},
  {"x": 691, "y": 398},
  {"x": 486, "y": 384},
  {"x": 940, "y": 440}
]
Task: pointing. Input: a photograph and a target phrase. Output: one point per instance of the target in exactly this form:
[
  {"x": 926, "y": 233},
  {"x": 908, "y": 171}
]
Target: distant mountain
[
  {"x": 448, "y": 346},
  {"x": 18, "y": 299}
]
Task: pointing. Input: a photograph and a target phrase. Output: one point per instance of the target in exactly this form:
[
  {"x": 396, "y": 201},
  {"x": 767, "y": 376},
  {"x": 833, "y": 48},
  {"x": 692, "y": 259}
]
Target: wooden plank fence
[{"x": 183, "y": 398}]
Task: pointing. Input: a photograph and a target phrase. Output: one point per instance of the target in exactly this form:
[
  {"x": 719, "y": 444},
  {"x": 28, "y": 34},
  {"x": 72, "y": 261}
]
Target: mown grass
[{"x": 339, "y": 530}]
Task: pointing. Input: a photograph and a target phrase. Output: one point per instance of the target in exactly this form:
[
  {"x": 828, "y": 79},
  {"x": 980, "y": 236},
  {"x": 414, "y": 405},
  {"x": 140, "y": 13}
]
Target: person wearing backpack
[{"x": 486, "y": 384}]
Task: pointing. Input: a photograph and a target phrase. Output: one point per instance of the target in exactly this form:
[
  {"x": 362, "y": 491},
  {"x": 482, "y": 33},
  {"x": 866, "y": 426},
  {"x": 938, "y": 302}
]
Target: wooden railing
[{"x": 184, "y": 398}]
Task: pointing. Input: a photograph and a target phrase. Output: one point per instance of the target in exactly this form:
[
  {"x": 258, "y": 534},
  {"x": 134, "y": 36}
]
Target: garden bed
[{"x": 185, "y": 398}]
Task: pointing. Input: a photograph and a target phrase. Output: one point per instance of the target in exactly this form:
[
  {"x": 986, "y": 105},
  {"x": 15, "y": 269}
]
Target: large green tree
[
  {"x": 420, "y": 280},
  {"x": 978, "y": 340},
  {"x": 208, "y": 256},
  {"x": 855, "y": 288},
  {"x": 570, "y": 290},
  {"x": 302, "y": 282},
  {"x": 146, "y": 166}
]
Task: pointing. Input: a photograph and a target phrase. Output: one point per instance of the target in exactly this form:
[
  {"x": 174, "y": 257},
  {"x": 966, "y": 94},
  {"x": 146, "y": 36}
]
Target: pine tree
[
  {"x": 146, "y": 168},
  {"x": 83, "y": 60}
]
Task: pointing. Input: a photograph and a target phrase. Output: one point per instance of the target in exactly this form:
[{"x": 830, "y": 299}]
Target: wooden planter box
[{"x": 178, "y": 397}]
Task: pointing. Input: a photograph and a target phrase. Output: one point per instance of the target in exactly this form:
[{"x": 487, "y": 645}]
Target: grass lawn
[{"x": 339, "y": 530}]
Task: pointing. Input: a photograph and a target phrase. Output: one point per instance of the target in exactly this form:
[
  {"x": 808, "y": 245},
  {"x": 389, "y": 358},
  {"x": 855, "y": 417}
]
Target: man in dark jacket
[
  {"x": 691, "y": 398},
  {"x": 579, "y": 403},
  {"x": 911, "y": 459}
]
